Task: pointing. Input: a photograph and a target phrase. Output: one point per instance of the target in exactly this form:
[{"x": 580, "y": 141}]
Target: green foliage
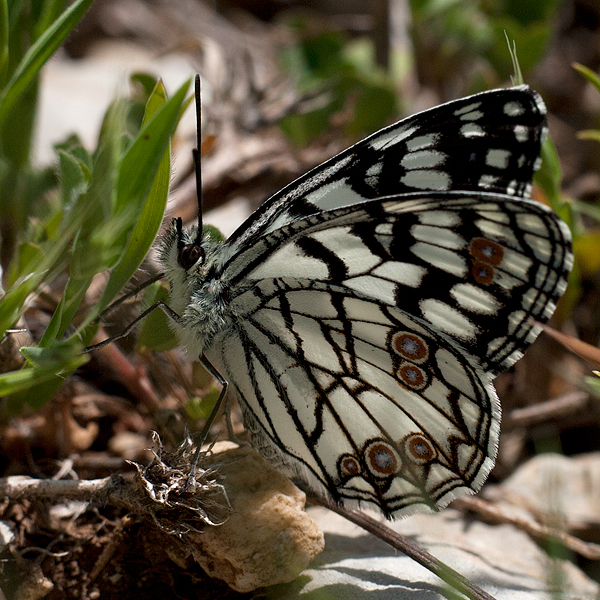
[
  {"x": 213, "y": 233},
  {"x": 586, "y": 240},
  {"x": 201, "y": 408},
  {"x": 104, "y": 214},
  {"x": 594, "y": 79},
  {"x": 339, "y": 76},
  {"x": 593, "y": 384},
  {"x": 549, "y": 179},
  {"x": 29, "y": 38},
  {"x": 467, "y": 39},
  {"x": 154, "y": 332},
  {"x": 453, "y": 42}
]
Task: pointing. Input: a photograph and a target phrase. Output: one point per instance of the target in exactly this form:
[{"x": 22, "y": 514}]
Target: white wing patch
[{"x": 427, "y": 179}]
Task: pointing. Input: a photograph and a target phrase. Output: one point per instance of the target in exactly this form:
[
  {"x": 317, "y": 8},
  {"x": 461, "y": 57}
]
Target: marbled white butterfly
[{"x": 361, "y": 313}]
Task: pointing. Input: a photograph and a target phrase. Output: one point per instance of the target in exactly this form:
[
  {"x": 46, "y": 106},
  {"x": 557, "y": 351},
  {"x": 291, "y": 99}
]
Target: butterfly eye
[{"x": 189, "y": 255}]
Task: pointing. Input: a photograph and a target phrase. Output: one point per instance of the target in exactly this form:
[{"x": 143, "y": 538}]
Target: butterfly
[{"x": 361, "y": 314}]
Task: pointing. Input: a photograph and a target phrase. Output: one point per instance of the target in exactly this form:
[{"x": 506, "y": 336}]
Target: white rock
[
  {"x": 505, "y": 562},
  {"x": 560, "y": 485}
]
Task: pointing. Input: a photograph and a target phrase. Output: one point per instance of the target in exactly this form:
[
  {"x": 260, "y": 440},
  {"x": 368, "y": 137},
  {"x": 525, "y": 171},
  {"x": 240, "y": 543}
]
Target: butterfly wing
[
  {"x": 486, "y": 142},
  {"x": 358, "y": 399},
  {"x": 479, "y": 269},
  {"x": 363, "y": 340}
]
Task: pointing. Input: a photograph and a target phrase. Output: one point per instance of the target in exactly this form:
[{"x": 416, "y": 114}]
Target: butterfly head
[
  {"x": 186, "y": 253},
  {"x": 198, "y": 295}
]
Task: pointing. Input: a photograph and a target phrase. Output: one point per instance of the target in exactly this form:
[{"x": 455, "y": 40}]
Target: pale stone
[
  {"x": 502, "y": 560},
  {"x": 268, "y": 538},
  {"x": 560, "y": 485}
]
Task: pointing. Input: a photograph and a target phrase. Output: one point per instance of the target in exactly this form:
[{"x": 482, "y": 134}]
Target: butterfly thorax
[{"x": 198, "y": 294}]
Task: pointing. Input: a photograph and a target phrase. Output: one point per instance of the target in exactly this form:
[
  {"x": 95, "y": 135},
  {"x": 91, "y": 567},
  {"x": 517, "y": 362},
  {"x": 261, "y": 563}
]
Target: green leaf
[
  {"x": 3, "y": 40},
  {"x": 46, "y": 367},
  {"x": 141, "y": 162},
  {"x": 589, "y": 134},
  {"x": 50, "y": 11},
  {"x": 593, "y": 384},
  {"x": 528, "y": 12},
  {"x": 213, "y": 233},
  {"x": 16, "y": 134},
  {"x": 149, "y": 170},
  {"x": 517, "y": 77},
  {"x": 54, "y": 358},
  {"x": 39, "y": 53},
  {"x": 146, "y": 82},
  {"x": 28, "y": 257},
  {"x": 374, "y": 106},
  {"x": 102, "y": 233},
  {"x": 586, "y": 248},
  {"x": 26, "y": 378},
  {"x": 590, "y": 75},
  {"x": 303, "y": 128},
  {"x": 62, "y": 318},
  {"x": 549, "y": 177},
  {"x": 75, "y": 177},
  {"x": 42, "y": 267},
  {"x": 201, "y": 408}
]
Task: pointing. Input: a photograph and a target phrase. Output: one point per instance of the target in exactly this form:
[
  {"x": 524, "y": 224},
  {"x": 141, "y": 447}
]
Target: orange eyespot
[
  {"x": 412, "y": 376},
  {"x": 482, "y": 273},
  {"x": 419, "y": 449},
  {"x": 411, "y": 347},
  {"x": 349, "y": 466},
  {"x": 382, "y": 459},
  {"x": 486, "y": 251}
]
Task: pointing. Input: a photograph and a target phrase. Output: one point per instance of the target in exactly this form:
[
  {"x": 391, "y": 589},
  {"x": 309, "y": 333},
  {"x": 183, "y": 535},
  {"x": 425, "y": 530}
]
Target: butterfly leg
[
  {"x": 217, "y": 407},
  {"x": 160, "y": 304},
  {"x": 212, "y": 370}
]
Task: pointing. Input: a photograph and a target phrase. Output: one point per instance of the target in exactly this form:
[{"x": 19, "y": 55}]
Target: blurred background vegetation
[{"x": 286, "y": 85}]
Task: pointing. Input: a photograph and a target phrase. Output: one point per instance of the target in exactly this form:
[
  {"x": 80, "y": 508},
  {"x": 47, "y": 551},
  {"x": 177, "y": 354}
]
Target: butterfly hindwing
[{"x": 373, "y": 407}]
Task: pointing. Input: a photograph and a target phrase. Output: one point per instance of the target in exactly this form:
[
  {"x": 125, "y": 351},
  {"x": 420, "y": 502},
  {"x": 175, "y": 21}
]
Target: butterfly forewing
[{"x": 489, "y": 142}]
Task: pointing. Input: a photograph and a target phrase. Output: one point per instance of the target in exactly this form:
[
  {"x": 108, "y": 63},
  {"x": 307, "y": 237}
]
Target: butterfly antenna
[
  {"x": 189, "y": 254},
  {"x": 197, "y": 154}
]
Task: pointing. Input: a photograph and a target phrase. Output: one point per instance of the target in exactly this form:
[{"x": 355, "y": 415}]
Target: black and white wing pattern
[
  {"x": 361, "y": 313},
  {"x": 378, "y": 329},
  {"x": 486, "y": 142}
]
